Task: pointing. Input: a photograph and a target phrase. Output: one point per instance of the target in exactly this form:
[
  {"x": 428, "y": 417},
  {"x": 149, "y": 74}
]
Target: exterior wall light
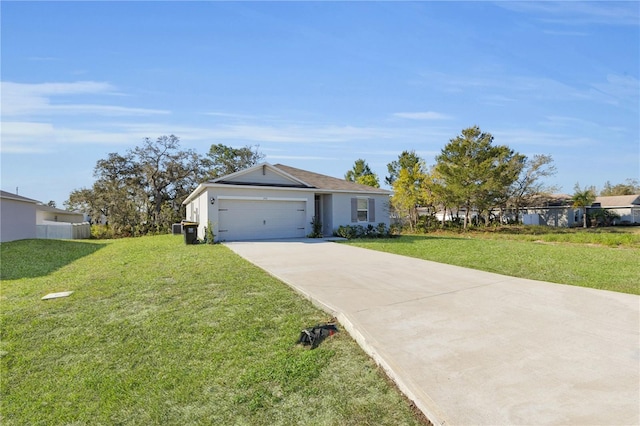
[{"x": 213, "y": 200}]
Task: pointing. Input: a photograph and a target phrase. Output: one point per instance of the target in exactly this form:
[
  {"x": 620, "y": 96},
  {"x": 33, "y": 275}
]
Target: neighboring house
[
  {"x": 46, "y": 213},
  {"x": 22, "y": 218},
  {"x": 17, "y": 217},
  {"x": 552, "y": 210},
  {"x": 277, "y": 201},
  {"x": 53, "y": 223},
  {"x": 558, "y": 211},
  {"x": 625, "y": 206}
]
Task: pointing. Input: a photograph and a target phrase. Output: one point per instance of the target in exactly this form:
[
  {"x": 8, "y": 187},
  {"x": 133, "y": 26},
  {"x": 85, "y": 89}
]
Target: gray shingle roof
[
  {"x": 5, "y": 194},
  {"x": 327, "y": 182}
]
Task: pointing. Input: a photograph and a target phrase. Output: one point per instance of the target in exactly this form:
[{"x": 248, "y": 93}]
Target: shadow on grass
[{"x": 36, "y": 258}]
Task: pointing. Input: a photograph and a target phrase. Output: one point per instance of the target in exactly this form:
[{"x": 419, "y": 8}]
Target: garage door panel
[{"x": 260, "y": 219}]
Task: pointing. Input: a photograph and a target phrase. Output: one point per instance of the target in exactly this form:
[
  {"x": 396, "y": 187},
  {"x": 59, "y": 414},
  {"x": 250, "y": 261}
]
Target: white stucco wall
[
  {"x": 342, "y": 209},
  {"x": 627, "y": 214},
  {"x": 17, "y": 220},
  {"x": 58, "y": 216},
  {"x": 198, "y": 211},
  {"x": 336, "y": 207}
]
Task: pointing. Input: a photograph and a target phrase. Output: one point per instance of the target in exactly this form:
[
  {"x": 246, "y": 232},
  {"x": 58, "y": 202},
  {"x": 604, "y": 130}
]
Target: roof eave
[{"x": 207, "y": 185}]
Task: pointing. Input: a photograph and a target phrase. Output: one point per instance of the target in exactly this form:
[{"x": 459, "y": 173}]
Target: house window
[{"x": 363, "y": 210}]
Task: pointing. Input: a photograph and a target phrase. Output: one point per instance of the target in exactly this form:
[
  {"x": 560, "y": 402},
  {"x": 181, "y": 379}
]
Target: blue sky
[{"x": 317, "y": 85}]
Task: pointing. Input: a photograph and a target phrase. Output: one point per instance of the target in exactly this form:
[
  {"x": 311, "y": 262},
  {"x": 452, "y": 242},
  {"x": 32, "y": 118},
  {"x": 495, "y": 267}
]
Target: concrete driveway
[{"x": 471, "y": 347}]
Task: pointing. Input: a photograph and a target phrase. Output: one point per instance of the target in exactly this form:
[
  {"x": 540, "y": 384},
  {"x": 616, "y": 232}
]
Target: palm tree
[{"x": 583, "y": 198}]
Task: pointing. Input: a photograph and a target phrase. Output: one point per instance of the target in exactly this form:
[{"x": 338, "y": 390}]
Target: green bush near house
[{"x": 360, "y": 231}]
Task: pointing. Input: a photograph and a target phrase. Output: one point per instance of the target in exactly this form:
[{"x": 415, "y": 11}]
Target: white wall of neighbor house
[
  {"x": 18, "y": 220},
  {"x": 55, "y": 216},
  {"x": 563, "y": 217},
  {"x": 627, "y": 215}
]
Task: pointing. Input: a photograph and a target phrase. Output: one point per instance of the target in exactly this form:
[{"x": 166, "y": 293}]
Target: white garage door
[{"x": 259, "y": 220}]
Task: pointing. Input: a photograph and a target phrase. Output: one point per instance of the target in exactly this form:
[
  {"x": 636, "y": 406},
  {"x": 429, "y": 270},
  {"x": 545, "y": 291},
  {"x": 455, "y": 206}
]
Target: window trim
[{"x": 356, "y": 209}]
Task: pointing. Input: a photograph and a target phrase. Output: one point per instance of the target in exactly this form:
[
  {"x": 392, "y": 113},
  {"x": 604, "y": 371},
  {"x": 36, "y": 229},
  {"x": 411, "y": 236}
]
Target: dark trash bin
[{"x": 190, "y": 231}]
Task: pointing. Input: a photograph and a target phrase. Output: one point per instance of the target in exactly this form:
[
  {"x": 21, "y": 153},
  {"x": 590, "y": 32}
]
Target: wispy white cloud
[
  {"x": 426, "y": 115},
  {"x": 517, "y": 138},
  {"x": 566, "y": 33},
  {"x": 502, "y": 89},
  {"x": 572, "y": 13},
  {"x": 45, "y": 136},
  {"x": 619, "y": 89},
  {"x": 299, "y": 157},
  {"x": 231, "y": 115},
  {"x": 36, "y": 137},
  {"x": 24, "y": 100}
]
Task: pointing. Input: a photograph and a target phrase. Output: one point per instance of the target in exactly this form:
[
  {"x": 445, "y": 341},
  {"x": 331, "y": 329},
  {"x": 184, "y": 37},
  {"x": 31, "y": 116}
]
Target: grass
[
  {"x": 601, "y": 260},
  {"x": 626, "y": 237},
  {"x": 158, "y": 332}
]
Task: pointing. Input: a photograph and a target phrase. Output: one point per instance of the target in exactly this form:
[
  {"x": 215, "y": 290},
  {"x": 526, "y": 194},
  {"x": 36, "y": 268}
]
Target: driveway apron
[{"x": 471, "y": 347}]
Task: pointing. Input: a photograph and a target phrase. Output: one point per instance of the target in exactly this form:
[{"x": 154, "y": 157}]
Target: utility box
[{"x": 190, "y": 231}]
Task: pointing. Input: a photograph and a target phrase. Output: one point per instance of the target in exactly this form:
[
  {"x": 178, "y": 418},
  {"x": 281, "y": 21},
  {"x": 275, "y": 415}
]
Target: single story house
[
  {"x": 17, "y": 217},
  {"x": 558, "y": 210},
  {"x": 277, "y": 201},
  {"x": 552, "y": 210},
  {"x": 23, "y": 218},
  {"x": 625, "y": 206}
]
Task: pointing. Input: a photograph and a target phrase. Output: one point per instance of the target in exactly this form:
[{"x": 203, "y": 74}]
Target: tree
[
  {"x": 502, "y": 171},
  {"x": 167, "y": 176},
  {"x": 361, "y": 173},
  {"x": 142, "y": 191},
  {"x": 409, "y": 189},
  {"x": 117, "y": 193},
  {"x": 84, "y": 200},
  {"x": 475, "y": 173},
  {"x": 223, "y": 160},
  {"x": 406, "y": 160},
  {"x": 583, "y": 198},
  {"x": 630, "y": 187},
  {"x": 528, "y": 186}
]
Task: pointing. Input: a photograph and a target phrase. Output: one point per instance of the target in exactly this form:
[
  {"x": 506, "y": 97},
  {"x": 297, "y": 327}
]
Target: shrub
[
  {"x": 102, "y": 232},
  {"x": 209, "y": 236},
  {"x": 316, "y": 228},
  {"x": 358, "y": 231}
]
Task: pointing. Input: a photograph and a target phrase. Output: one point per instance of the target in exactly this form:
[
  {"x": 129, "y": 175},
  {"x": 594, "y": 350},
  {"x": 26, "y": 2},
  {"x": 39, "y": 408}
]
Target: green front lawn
[
  {"x": 602, "y": 260},
  {"x": 158, "y": 332}
]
